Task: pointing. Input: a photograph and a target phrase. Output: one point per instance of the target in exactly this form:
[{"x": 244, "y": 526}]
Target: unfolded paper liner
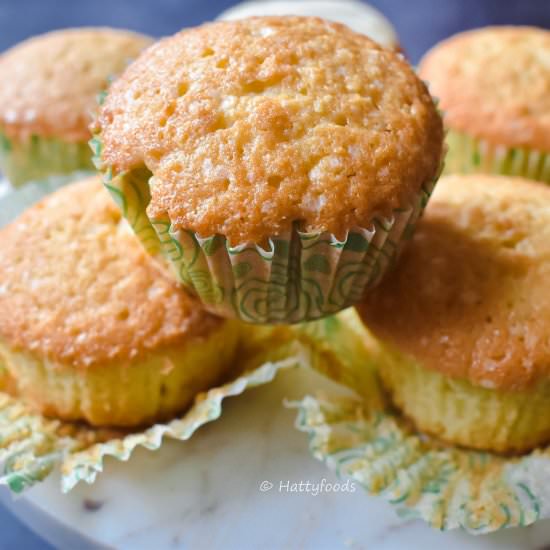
[
  {"x": 297, "y": 276},
  {"x": 32, "y": 446},
  {"x": 368, "y": 441},
  {"x": 472, "y": 155}
]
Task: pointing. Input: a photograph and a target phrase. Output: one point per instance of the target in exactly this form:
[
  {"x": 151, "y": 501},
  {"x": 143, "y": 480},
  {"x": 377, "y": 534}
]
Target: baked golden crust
[
  {"x": 469, "y": 295},
  {"x": 251, "y": 125},
  {"x": 494, "y": 83},
  {"x": 50, "y": 82},
  {"x": 77, "y": 288}
]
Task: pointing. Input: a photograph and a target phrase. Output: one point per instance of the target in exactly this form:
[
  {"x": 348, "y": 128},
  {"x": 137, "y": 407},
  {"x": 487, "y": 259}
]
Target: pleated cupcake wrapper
[
  {"x": 298, "y": 276},
  {"x": 470, "y": 155},
  {"x": 32, "y": 446},
  {"x": 369, "y": 442},
  {"x": 38, "y": 158}
]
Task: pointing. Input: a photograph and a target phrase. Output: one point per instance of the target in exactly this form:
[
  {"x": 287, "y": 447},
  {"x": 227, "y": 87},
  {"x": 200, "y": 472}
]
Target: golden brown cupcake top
[
  {"x": 469, "y": 297},
  {"x": 50, "y": 82},
  {"x": 77, "y": 287},
  {"x": 251, "y": 125},
  {"x": 494, "y": 83}
]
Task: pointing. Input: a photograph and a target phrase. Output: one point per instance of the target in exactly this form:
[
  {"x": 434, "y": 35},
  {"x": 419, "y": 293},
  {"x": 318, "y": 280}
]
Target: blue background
[{"x": 420, "y": 24}]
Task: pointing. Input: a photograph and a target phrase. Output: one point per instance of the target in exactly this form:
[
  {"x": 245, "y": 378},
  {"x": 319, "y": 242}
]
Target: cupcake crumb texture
[
  {"x": 77, "y": 287},
  {"x": 253, "y": 125},
  {"x": 50, "y": 82},
  {"x": 468, "y": 297},
  {"x": 494, "y": 83}
]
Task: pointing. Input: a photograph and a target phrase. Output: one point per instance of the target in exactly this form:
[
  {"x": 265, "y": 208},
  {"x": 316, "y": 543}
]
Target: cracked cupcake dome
[
  {"x": 275, "y": 150},
  {"x": 91, "y": 328},
  {"x": 494, "y": 88},
  {"x": 463, "y": 317},
  {"x": 50, "y": 85}
]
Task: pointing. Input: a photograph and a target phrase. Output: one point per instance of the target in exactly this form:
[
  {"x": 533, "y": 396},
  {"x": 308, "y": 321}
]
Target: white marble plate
[{"x": 205, "y": 493}]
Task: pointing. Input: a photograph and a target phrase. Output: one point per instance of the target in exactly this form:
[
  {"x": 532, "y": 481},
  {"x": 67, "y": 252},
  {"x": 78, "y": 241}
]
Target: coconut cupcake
[
  {"x": 49, "y": 89},
  {"x": 463, "y": 319},
  {"x": 278, "y": 162},
  {"x": 90, "y": 327},
  {"x": 494, "y": 88}
]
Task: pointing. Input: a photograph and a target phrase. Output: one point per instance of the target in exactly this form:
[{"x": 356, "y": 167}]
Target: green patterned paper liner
[
  {"x": 369, "y": 442},
  {"x": 32, "y": 446},
  {"x": 297, "y": 277},
  {"x": 469, "y": 155},
  {"x": 39, "y": 158}
]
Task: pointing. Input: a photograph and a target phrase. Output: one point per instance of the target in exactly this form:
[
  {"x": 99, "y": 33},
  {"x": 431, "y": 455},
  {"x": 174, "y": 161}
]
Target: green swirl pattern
[
  {"x": 470, "y": 155},
  {"x": 367, "y": 441},
  {"x": 297, "y": 277}
]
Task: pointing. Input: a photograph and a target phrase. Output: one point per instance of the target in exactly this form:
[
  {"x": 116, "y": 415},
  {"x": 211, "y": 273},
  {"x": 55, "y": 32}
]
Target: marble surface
[{"x": 205, "y": 493}]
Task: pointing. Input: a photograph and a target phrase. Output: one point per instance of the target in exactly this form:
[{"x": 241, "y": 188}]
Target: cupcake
[
  {"x": 50, "y": 85},
  {"x": 494, "y": 88},
  {"x": 278, "y": 162},
  {"x": 462, "y": 320},
  {"x": 359, "y": 16},
  {"x": 91, "y": 328}
]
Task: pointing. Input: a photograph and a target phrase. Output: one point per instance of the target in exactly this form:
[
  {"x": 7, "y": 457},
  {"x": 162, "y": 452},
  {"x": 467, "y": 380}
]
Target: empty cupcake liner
[
  {"x": 39, "y": 157},
  {"x": 471, "y": 155},
  {"x": 298, "y": 276},
  {"x": 366, "y": 440},
  {"x": 32, "y": 446}
]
